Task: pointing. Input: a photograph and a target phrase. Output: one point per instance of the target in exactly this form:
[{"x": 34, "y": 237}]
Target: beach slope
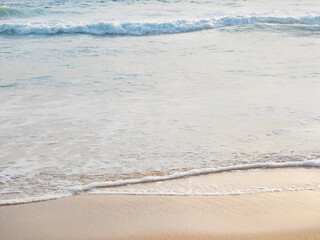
[{"x": 277, "y": 215}]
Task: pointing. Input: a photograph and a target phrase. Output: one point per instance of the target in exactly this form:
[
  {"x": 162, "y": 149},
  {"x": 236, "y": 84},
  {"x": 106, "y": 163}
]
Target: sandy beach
[{"x": 276, "y": 215}]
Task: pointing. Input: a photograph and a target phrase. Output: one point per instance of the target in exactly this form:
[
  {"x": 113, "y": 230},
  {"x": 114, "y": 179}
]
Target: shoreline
[
  {"x": 278, "y": 215},
  {"x": 295, "y": 166}
]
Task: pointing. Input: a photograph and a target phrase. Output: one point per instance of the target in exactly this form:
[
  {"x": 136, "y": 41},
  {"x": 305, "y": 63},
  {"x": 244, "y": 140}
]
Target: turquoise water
[{"x": 100, "y": 91}]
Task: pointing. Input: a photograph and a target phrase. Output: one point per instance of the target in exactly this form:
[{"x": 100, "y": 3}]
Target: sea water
[{"x": 106, "y": 93}]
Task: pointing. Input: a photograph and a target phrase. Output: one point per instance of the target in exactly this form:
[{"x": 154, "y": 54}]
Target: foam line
[
  {"x": 231, "y": 193},
  {"x": 195, "y": 172}
]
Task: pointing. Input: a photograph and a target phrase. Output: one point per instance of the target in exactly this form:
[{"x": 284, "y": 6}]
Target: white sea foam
[
  {"x": 198, "y": 193},
  {"x": 177, "y": 175},
  {"x": 150, "y": 28}
]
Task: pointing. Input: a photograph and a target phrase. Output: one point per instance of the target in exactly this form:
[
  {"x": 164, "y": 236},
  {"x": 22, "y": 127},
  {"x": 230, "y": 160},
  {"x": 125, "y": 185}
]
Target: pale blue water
[{"x": 94, "y": 91}]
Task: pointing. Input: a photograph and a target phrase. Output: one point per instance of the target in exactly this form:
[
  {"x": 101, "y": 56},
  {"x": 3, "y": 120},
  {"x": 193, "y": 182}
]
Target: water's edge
[{"x": 148, "y": 179}]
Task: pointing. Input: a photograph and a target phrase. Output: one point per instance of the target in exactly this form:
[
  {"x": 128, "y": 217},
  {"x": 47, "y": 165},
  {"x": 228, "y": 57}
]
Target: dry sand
[{"x": 279, "y": 215}]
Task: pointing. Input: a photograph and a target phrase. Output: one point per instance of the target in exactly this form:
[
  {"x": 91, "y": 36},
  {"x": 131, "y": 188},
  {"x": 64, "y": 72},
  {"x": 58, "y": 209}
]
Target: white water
[
  {"x": 236, "y": 85},
  {"x": 163, "y": 27}
]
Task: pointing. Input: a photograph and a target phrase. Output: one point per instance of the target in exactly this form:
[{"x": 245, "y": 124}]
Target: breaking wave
[{"x": 151, "y": 28}]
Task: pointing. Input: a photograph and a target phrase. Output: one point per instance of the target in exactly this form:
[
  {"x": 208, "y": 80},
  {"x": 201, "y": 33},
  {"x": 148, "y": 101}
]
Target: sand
[{"x": 277, "y": 215}]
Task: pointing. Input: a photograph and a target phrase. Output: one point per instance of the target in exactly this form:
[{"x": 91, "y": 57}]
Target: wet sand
[{"x": 277, "y": 215}]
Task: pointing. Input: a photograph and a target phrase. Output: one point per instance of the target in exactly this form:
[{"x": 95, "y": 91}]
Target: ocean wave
[
  {"x": 8, "y": 12},
  {"x": 150, "y": 28},
  {"x": 177, "y": 175}
]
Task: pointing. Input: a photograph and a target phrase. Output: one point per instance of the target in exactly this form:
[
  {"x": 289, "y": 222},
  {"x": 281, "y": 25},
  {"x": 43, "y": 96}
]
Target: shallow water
[
  {"x": 82, "y": 101},
  {"x": 234, "y": 182}
]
